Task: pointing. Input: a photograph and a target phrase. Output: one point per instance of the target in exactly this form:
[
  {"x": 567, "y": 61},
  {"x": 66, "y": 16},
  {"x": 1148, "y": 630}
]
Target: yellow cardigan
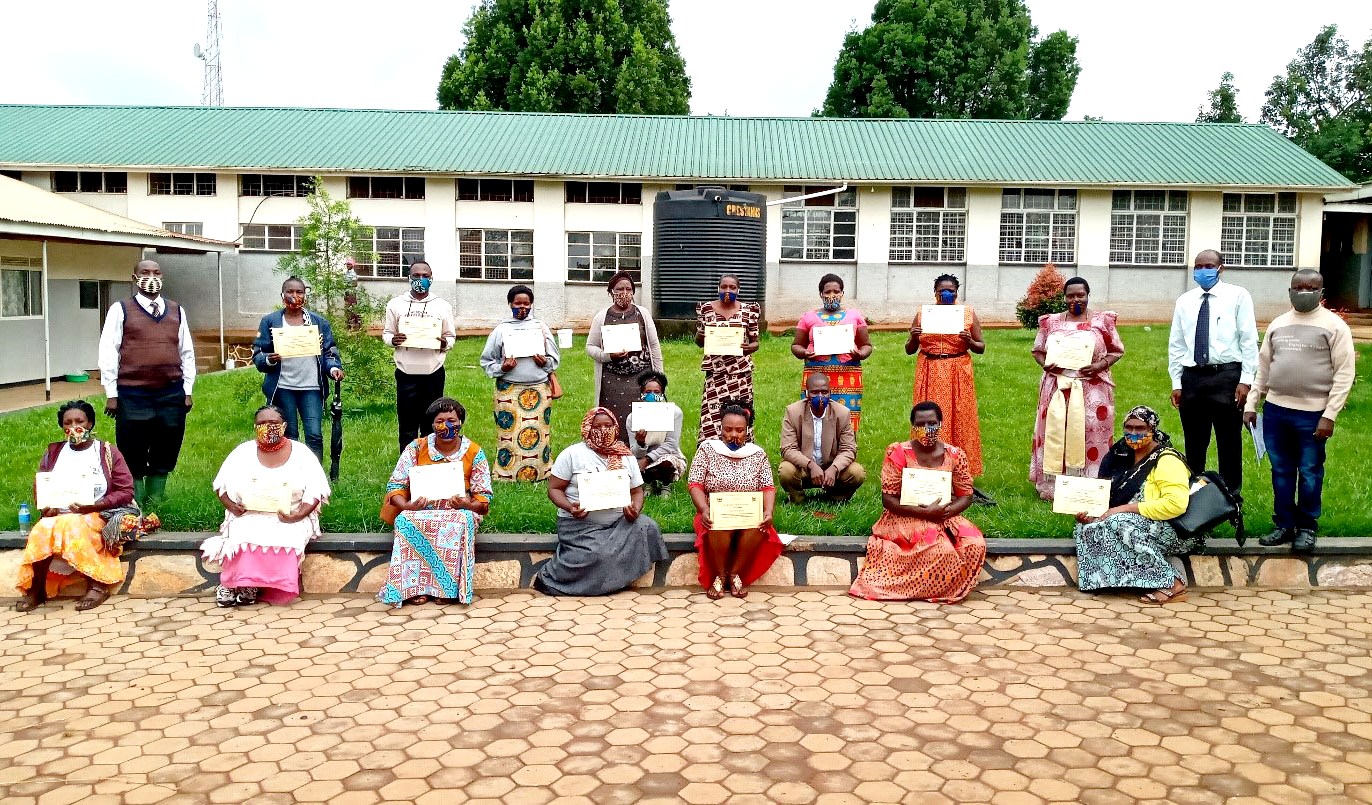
[{"x": 1167, "y": 489}]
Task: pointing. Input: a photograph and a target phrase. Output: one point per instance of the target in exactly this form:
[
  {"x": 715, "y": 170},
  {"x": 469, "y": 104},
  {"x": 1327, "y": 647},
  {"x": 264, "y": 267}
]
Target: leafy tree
[
  {"x": 1324, "y": 103},
  {"x": 587, "y": 56},
  {"x": 953, "y": 59},
  {"x": 1044, "y": 295},
  {"x": 1224, "y": 103}
]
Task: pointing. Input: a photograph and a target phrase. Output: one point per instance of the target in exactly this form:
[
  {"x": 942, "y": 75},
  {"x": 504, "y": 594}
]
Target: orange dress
[{"x": 949, "y": 382}]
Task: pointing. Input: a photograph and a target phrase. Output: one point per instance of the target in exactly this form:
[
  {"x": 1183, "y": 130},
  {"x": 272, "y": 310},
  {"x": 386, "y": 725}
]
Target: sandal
[
  {"x": 31, "y": 601},
  {"x": 93, "y": 598},
  {"x": 1158, "y": 598},
  {"x": 418, "y": 600},
  {"x": 715, "y": 591},
  {"x": 736, "y": 587}
]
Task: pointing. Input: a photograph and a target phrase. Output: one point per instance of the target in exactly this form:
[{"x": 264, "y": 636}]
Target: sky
[{"x": 1140, "y": 61}]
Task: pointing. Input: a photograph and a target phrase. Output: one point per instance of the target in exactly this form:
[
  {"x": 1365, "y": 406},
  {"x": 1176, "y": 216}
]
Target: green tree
[
  {"x": 1324, "y": 103},
  {"x": 587, "y": 56},
  {"x": 953, "y": 59},
  {"x": 1223, "y": 103}
]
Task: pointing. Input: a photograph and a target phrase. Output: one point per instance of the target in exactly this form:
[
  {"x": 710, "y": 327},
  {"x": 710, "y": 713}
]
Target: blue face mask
[
  {"x": 520, "y": 313},
  {"x": 833, "y": 304},
  {"x": 652, "y": 396},
  {"x": 1077, "y": 308},
  {"x": 421, "y": 285},
  {"x": 728, "y": 296},
  {"x": 1137, "y": 439},
  {"x": 1206, "y": 277},
  {"x": 733, "y": 445},
  {"x": 448, "y": 430},
  {"x": 947, "y": 297},
  {"x": 818, "y": 403}
]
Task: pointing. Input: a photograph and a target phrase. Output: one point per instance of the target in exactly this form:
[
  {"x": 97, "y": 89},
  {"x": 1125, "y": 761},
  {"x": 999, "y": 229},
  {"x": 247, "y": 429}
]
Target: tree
[
  {"x": 1224, "y": 103},
  {"x": 1044, "y": 295},
  {"x": 953, "y": 59},
  {"x": 587, "y": 56},
  {"x": 1324, "y": 103}
]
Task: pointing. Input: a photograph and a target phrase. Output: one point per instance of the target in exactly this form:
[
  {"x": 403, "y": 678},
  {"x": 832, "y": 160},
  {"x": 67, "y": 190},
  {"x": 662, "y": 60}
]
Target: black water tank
[{"x": 700, "y": 234}]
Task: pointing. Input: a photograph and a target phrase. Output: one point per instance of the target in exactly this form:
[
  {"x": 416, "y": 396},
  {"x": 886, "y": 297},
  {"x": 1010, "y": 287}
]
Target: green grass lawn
[{"x": 1007, "y": 385}]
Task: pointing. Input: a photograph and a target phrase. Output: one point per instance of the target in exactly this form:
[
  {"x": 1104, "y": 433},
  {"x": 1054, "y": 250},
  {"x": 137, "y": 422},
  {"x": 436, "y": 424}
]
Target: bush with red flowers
[{"x": 1044, "y": 295}]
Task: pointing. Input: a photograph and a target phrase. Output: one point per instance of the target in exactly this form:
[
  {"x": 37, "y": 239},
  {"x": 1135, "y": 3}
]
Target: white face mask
[{"x": 150, "y": 285}]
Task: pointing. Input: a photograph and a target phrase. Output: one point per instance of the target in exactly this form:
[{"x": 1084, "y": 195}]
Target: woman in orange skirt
[{"x": 944, "y": 372}]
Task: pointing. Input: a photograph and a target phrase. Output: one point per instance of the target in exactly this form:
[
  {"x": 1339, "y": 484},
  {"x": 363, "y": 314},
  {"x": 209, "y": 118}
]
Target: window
[
  {"x": 272, "y": 237},
  {"x": 394, "y": 249},
  {"x": 928, "y": 224},
  {"x": 1259, "y": 229},
  {"x": 604, "y": 193},
  {"x": 820, "y": 229},
  {"x": 740, "y": 187},
  {"x": 267, "y": 184},
  {"x": 495, "y": 190},
  {"x": 385, "y": 187},
  {"x": 495, "y": 254},
  {"x": 21, "y": 287},
  {"x": 181, "y": 184},
  {"x": 185, "y": 227},
  {"x": 89, "y": 293},
  {"x": 597, "y": 256},
  {"x": 1148, "y": 227},
  {"x": 89, "y": 181},
  {"x": 1038, "y": 226}
]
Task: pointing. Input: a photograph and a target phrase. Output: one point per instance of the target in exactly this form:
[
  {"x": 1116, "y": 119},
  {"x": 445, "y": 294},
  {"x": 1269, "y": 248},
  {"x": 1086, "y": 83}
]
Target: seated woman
[
  {"x": 598, "y": 552},
  {"x": 661, "y": 462},
  {"x": 434, "y": 553},
  {"x": 924, "y": 553},
  {"x": 736, "y": 557},
  {"x": 260, "y": 551},
  {"x": 1128, "y": 545},
  {"x": 68, "y": 541}
]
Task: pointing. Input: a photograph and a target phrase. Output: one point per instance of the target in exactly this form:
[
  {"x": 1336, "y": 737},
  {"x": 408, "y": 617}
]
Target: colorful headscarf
[
  {"x": 1150, "y": 418},
  {"x": 604, "y": 439}
]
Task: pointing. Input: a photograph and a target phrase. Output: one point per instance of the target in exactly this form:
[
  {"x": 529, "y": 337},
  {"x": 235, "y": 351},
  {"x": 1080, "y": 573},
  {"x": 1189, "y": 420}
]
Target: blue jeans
[
  {"x": 1297, "y": 458},
  {"x": 309, "y": 404}
]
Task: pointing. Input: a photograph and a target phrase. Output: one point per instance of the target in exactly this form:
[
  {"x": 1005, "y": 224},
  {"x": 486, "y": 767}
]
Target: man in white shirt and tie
[
  {"x": 147, "y": 366},
  {"x": 1212, "y": 356}
]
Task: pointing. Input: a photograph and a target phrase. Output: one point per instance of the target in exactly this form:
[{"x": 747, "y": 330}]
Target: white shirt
[
  {"x": 112, "y": 337},
  {"x": 817, "y": 444},
  {"x": 83, "y": 464},
  {"x": 1233, "y": 331}
]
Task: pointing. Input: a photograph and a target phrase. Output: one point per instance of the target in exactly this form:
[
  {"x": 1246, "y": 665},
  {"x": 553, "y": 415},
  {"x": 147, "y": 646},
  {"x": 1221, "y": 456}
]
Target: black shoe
[
  {"x": 1281, "y": 536},
  {"x": 1304, "y": 542}
]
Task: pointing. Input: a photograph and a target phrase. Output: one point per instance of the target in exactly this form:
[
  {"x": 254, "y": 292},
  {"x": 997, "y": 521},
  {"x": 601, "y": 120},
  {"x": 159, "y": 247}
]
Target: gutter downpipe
[{"x": 47, "y": 334}]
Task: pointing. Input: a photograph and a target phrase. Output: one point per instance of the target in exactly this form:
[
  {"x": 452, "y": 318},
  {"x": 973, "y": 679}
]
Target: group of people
[{"x": 1304, "y": 370}]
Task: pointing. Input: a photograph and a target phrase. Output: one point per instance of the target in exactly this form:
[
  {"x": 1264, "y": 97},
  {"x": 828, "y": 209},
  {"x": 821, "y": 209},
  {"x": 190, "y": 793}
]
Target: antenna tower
[{"x": 213, "y": 93}]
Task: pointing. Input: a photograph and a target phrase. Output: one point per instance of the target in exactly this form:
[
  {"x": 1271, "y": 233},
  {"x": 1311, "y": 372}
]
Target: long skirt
[
  {"x": 434, "y": 554},
  {"x": 767, "y": 553},
  {"x": 74, "y": 544},
  {"x": 274, "y": 573},
  {"x": 720, "y": 386},
  {"x": 600, "y": 558},
  {"x": 523, "y": 421},
  {"x": 950, "y": 383},
  {"x": 940, "y": 562},
  {"x": 1099, "y": 403},
  {"x": 618, "y": 393},
  {"x": 1128, "y": 550},
  {"x": 845, "y": 386}
]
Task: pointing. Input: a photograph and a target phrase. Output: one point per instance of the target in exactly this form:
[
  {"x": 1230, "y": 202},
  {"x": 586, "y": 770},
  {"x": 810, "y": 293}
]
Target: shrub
[{"x": 1044, "y": 295}]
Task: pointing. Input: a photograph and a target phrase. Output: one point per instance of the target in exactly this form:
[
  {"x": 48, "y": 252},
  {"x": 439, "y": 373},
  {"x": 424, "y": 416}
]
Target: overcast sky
[{"x": 1140, "y": 61}]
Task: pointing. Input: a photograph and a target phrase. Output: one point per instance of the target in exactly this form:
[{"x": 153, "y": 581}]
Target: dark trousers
[
  {"x": 308, "y": 406},
  {"x": 1207, "y": 401},
  {"x": 1297, "y": 457},
  {"x": 413, "y": 395},
  {"x": 663, "y": 473},
  {"x": 148, "y": 428}
]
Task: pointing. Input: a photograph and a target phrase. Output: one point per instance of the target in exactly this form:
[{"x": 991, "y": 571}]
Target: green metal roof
[{"x": 719, "y": 148}]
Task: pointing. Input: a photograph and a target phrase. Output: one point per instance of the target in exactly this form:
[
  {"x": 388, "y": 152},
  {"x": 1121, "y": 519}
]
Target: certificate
[
  {"x": 921, "y": 487},
  {"x": 597, "y": 491},
  {"x": 267, "y": 495},
  {"x": 941, "y": 319},
  {"x": 59, "y": 490},
  {"x": 1259, "y": 442},
  {"x": 731, "y": 510},
  {"x": 1072, "y": 495},
  {"x": 1070, "y": 350},
  {"x": 437, "y": 481},
  {"x": 524, "y": 342},
  {"x": 620, "y": 338},
  {"x": 834, "y": 339},
  {"x": 421, "y": 332},
  {"x": 724, "y": 340},
  {"x": 296, "y": 342},
  {"x": 654, "y": 417},
  {"x": 564, "y": 338}
]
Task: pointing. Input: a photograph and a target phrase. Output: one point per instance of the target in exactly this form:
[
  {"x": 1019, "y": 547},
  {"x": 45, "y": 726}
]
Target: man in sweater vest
[
  {"x": 147, "y": 366},
  {"x": 1305, "y": 370}
]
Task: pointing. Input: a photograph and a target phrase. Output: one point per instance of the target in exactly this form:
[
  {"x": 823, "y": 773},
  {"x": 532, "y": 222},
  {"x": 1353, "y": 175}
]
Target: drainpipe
[
  {"x": 219, "y": 272},
  {"x": 47, "y": 335}
]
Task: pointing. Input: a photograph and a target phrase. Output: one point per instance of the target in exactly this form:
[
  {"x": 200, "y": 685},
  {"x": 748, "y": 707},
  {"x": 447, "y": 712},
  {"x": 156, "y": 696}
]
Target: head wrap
[
  {"x": 1150, "y": 418},
  {"x": 604, "y": 440}
]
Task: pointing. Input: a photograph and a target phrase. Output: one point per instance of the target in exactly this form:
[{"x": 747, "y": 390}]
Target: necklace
[{"x": 271, "y": 448}]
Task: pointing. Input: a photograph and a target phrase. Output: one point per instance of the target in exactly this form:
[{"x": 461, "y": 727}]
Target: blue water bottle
[{"x": 25, "y": 519}]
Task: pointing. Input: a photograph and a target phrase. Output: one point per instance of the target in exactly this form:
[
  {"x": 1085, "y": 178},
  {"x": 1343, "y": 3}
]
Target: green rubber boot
[
  {"x": 157, "y": 489},
  {"x": 140, "y": 491}
]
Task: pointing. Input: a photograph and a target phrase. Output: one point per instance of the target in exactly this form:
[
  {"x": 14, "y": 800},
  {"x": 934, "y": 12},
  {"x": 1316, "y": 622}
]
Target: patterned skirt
[
  {"x": 720, "y": 386},
  {"x": 928, "y": 566},
  {"x": 523, "y": 421},
  {"x": 74, "y": 539},
  {"x": 434, "y": 554},
  {"x": 845, "y": 386},
  {"x": 1128, "y": 550}
]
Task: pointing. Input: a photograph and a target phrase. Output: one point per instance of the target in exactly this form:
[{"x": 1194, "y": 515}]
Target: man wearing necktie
[{"x": 1212, "y": 357}]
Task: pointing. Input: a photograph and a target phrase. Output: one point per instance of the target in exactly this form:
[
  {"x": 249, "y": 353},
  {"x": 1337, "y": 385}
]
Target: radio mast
[{"x": 213, "y": 92}]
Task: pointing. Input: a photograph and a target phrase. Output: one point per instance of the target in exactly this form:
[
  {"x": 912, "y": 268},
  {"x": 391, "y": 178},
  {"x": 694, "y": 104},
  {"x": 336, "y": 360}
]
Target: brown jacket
[{"x": 838, "y": 443}]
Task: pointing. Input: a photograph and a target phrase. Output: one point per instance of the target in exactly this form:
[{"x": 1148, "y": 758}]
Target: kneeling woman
[
  {"x": 598, "y": 552},
  {"x": 1128, "y": 546},
  {"x": 434, "y": 553},
  {"x": 733, "y": 557},
  {"x": 260, "y": 552},
  {"x": 924, "y": 553}
]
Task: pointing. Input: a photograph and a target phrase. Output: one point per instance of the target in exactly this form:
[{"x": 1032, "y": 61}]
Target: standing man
[
  {"x": 147, "y": 366},
  {"x": 818, "y": 446},
  {"x": 1212, "y": 356},
  {"x": 1305, "y": 370},
  {"x": 419, "y": 373}
]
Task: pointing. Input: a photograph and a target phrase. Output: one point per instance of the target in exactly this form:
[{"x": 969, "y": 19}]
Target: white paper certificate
[
  {"x": 421, "y": 332},
  {"x": 654, "y": 417},
  {"x": 836, "y": 339},
  {"x": 1070, "y": 350},
  {"x": 59, "y": 490},
  {"x": 941, "y": 319},
  {"x": 598, "y": 491},
  {"x": 523, "y": 343},
  {"x": 724, "y": 340},
  {"x": 620, "y": 338},
  {"x": 437, "y": 481},
  {"x": 732, "y": 510},
  {"x": 1073, "y": 495},
  {"x": 564, "y": 339},
  {"x": 296, "y": 342},
  {"x": 921, "y": 487},
  {"x": 267, "y": 495}
]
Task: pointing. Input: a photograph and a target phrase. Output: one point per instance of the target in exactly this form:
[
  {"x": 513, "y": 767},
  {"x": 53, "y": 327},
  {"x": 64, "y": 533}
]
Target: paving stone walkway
[{"x": 797, "y": 696}]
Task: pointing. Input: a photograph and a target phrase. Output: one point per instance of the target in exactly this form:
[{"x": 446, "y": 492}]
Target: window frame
[
  {"x": 196, "y": 183},
  {"x": 181, "y": 227},
  {"x": 266, "y": 237},
  {"x": 33, "y": 299},
  {"x": 811, "y": 211},
  {"x": 581, "y": 193},
  {"x": 110, "y": 182},
  {"x": 951, "y": 226},
  {"x": 1244, "y": 217},
  {"x": 1059, "y": 214},
  {"x": 412, "y": 188},
  {"x": 1132, "y": 211},
  {"x": 301, "y": 185},
  {"x": 368, "y": 234},
  {"x": 593, "y": 274},
  {"x": 519, "y": 191},
  {"x": 483, "y": 239}
]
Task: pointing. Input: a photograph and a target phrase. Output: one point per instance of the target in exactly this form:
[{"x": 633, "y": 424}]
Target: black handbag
[{"x": 1211, "y": 504}]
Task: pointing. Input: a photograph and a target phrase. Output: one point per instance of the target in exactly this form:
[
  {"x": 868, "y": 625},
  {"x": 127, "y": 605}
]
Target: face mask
[
  {"x": 818, "y": 403},
  {"x": 833, "y": 303},
  {"x": 269, "y": 435},
  {"x": 293, "y": 302},
  {"x": 448, "y": 430},
  {"x": 653, "y": 396},
  {"x": 77, "y": 434},
  {"x": 1137, "y": 440},
  {"x": 1305, "y": 301},
  {"x": 728, "y": 296},
  {"x": 623, "y": 298},
  {"x": 150, "y": 285},
  {"x": 732, "y": 445},
  {"x": 1206, "y": 277},
  {"x": 601, "y": 436},
  {"x": 1077, "y": 308},
  {"x": 421, "y": 285},
  {"x": 928, "y": 434},
  {"x": 947, "y": 297},
  {"x": 520, "y": 313}
]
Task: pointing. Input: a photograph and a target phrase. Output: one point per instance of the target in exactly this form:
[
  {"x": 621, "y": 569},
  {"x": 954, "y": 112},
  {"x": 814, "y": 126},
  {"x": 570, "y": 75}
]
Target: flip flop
[
  {"x": 1167, "y": 597},
  {"x": 93, "y": 598}
]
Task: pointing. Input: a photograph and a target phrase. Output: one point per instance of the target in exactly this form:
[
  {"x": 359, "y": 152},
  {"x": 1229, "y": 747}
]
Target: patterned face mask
[
  {"x": 150, "y": 285},
  {"x": 927, "y": 435},
  {"x": 623, "y": 298},
  {"x": 269, "y": 435},
  {"x": 77, "y": 434},
  {"x": 832, "y": 303},
  {"x": 1137, "y": 440},
  {"x": 421, "y": 285},
  {"x": 728, "y": 296},
  {"x": 600, "y": 437},
  {"x": 447, "y": 430}
]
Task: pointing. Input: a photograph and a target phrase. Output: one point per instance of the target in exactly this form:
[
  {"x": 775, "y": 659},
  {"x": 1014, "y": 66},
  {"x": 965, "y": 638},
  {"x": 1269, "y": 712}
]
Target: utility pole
[{"x": 213, "y": 92}]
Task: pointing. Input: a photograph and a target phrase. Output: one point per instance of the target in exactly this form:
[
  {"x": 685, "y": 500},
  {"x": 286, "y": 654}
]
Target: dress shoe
[
  {"x": 1304, "y": 542},
  {"x": 1277, "y": 537}
]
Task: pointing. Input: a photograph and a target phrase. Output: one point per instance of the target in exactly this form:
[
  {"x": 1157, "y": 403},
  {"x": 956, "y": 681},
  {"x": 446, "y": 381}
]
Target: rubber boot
[
  {"x": 140, "y": 492},
  {"x": 157, "y": 489}
]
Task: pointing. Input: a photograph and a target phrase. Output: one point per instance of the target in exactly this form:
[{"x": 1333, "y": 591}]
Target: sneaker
[
  {"x": 1280, "y": 536},
  {"x": 1304, "y": 541},
  {"x": 246, "y": 595},
  {"x": 664, "y": 492},
  {"x": 225, "y": 597}
]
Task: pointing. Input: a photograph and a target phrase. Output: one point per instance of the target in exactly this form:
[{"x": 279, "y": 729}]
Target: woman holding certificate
[
  {"x": 604, "y": 541},
  {"x": 728, "y": 362},
  {"x": 296, "y": 354},
  {"x": 655, "y": 433},
  {"x": 1076, "y": 418},
  {"x": 921, "y": 547},
  {"x": 838, "y": 353},
  {"x": 943, "y": 334},
  {"x": 78, "y": 478},
  {"x": 271, "y": 488},
  {"x": 521, "y": 354},
  {"x": 732, "y": 489},
  {"x": 623, "y": 343}
]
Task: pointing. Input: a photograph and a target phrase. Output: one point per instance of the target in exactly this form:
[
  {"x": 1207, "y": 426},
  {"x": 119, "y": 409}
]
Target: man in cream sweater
[{"x": 1305, "y": 371}]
